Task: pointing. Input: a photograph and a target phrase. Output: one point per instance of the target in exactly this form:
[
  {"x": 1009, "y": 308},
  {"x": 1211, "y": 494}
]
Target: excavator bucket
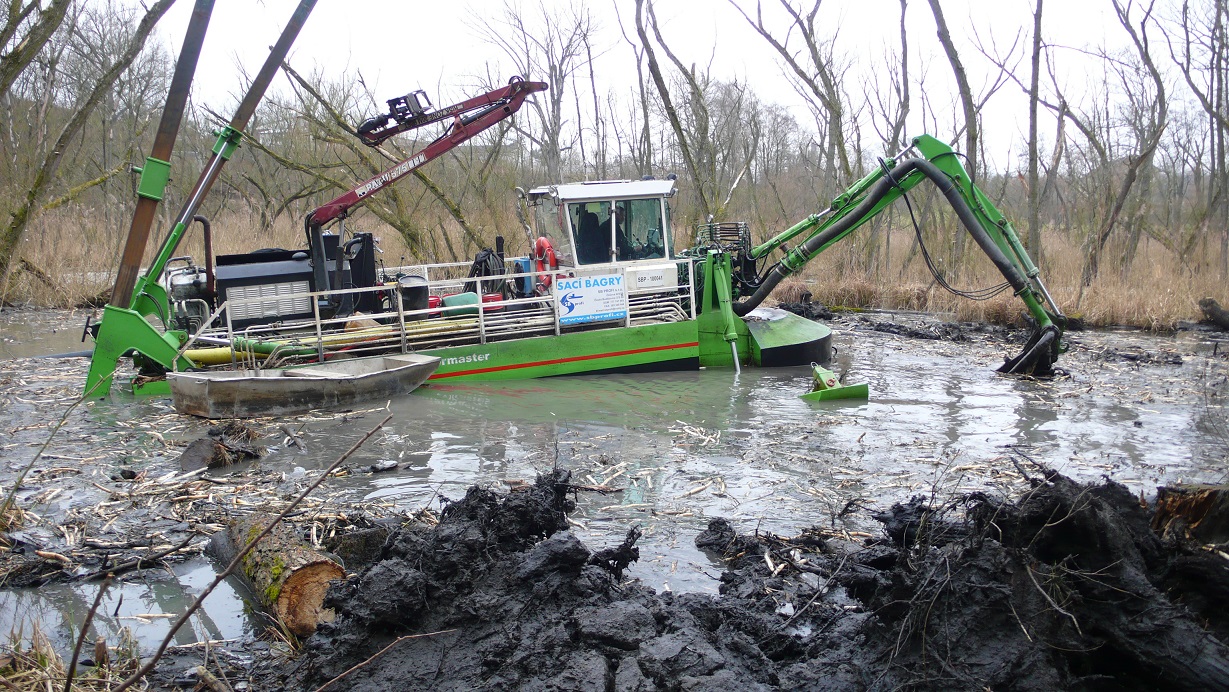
[
  {"x": 1038, "y": 356},
  {"x": 828, "y": 387}
]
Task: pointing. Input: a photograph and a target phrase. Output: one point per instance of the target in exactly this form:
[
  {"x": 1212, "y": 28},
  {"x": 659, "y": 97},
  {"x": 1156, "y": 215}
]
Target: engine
[{"x": 273, "y": 284}]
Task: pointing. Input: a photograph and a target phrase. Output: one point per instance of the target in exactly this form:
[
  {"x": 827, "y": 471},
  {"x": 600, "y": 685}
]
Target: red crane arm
[
  {"x": 377, "y": 129},
  {"x": 496, "y": 106}
]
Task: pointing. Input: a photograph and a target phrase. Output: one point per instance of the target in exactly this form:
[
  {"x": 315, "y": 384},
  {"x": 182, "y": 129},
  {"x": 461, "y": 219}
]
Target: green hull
[
  {"x": 672, "y": 346},
  {"x": 786, "y": 340}
]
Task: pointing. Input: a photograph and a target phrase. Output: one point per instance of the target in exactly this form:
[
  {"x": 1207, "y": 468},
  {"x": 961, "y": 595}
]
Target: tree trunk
[
  {"x": 11, "y": 235},
  {"x": 663, "y": 90},
  {"x": 1137, "y": 221},
  {"x": 1034, "y": 197},
  {"x": 1150, "y": 139},
  {"x": 970, "y": 114},
  {"x": 49, "y": 18},
  {"x": 288, "y": 577}
]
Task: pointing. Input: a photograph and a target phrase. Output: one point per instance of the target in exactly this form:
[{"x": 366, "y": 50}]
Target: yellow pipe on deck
[{"x": 220, "y": 355}]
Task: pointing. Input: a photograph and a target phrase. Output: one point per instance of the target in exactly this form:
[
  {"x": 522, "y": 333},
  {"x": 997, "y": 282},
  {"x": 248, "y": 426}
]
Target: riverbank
[
  {"x": 680, "y": 449},
  {"x": 1064, "y": 587}
]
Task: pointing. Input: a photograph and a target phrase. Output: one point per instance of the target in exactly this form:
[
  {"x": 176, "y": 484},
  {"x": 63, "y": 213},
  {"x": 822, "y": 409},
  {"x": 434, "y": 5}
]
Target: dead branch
[
  {"x": 379, "y": 653},
  {"x": 196, "y": 604}
]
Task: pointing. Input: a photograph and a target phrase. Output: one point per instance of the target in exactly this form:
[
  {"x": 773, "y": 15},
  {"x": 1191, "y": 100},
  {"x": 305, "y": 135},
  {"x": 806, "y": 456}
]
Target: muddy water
[
  {"x": 30, "y": 333},
  {"x": 684, "y": 447},
  {"x": 144, "y": 605},
  {"x": 688, "y": 446}
]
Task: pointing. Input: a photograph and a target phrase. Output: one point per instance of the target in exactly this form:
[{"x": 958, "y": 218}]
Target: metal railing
[{"x": 395, "y": 329}]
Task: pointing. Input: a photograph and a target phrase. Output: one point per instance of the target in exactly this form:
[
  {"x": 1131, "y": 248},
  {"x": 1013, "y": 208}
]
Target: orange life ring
[{"x": 545, "y": 261}]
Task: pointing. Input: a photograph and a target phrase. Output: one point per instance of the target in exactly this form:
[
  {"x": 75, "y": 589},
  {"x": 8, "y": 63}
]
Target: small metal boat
[{"x": 288, "y": 391}]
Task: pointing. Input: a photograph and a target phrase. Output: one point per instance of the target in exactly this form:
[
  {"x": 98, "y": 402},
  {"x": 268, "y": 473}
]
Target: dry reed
[
  {"x": 79, "y": 252},
  {"x": 1156, "y": 294},
  {"x": 32, "y": 663}
]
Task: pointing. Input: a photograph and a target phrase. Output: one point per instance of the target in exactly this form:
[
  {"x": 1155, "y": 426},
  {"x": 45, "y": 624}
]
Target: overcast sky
[{"x": 399, "y": 45}]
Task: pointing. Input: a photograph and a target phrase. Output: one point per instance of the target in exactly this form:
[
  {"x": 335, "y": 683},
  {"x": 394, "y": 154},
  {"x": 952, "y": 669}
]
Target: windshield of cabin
[
  {"x": 625, "y": 230},
  {"x": 644, "y": 227}
]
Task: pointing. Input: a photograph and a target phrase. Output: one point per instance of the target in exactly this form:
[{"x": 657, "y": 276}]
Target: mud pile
[{"x": 1064, "y": 588}]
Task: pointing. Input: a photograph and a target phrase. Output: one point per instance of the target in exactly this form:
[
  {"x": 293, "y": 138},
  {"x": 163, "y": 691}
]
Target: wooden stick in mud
[
  {"x": 136, "y": 563},
  {"x": 85, "y": 628},
  {"x": 230, "y": 568},
  {"x": 286, "y": 575},
  {"x": 211, "y": 681}
]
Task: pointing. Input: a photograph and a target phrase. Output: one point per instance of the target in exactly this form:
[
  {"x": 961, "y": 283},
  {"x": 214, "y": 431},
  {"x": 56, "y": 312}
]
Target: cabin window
[
  {"x": 551, "y": 221},
  {"x": 646, "y": 232},
  {"x": 622, "y": 230},
  {"x": 591, "y": 231}
]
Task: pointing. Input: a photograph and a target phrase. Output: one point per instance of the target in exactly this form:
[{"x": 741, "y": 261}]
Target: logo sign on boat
[{"x": 591, "y": 299}]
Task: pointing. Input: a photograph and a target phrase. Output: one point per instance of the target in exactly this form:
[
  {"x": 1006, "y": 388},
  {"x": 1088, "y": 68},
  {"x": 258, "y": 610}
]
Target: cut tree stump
[
  {"x": 1214, "y": 312},
  {"x": 288, "y": 576},
  {"x": 1204, "y": 509}
]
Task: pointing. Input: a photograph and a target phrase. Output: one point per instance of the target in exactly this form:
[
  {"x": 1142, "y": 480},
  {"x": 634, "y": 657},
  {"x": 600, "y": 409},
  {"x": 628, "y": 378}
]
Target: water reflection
[
  {"x": 683, "y": 447},
  {"x": 30, "y": 333},
  {"x": 146, "y": 605}
]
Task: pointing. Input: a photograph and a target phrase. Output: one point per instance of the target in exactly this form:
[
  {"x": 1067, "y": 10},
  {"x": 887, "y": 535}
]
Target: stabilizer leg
[{"x": 122, "y": 331}]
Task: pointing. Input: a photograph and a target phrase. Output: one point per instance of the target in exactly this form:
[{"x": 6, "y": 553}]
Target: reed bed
[
  {"x": 30, "y": 663},
  {"x": 76, "y": 254}
]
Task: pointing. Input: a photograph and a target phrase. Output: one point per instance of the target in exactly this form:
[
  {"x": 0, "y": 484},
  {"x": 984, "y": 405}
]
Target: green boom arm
[{"x": 940, "y": 165}]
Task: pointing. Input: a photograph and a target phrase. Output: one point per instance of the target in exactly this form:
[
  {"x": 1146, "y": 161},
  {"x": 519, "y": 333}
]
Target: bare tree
[
  {"x": 1199, "y": 46},
  {"x": 45, "y": 174},
  {"x": 340, "y": 160},
  {"x": 1153, "y": 109},
  {"x": 641, "y": 146},
  {"x": 133, "y": 103},
  {"x": 599, "y": 121},
  {"x": 894, "y": 110},
  {"x": 815, "y": 73},
  {"x": 27, "y": 28},
  {"x": 663, "y": 91},
  {"x": 971, "y": 108},
  {"x": 551, "y": 46},
  {"x": 967, "y": 101},
  {"x": 1034, "y": 203}
]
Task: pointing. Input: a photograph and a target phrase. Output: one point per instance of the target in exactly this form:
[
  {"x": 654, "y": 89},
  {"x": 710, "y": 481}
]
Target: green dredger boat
[
  {"x": 603, "y": 289},
  {"x": 634, "y": 306}
]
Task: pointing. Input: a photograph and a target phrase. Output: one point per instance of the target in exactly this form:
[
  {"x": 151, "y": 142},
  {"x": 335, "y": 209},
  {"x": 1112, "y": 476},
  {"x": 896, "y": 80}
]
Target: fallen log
[
  {"x": 287, "y": 576},
  {"x": 1201, "y": 510},
  {"x": 1214, "y": 312},
  {"x": 41, "y": 276}
]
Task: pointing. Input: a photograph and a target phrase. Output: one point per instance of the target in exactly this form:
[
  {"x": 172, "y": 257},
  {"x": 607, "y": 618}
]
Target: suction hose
[
  {"x": 880, "y": 190},
  {"x": 1042, "y": 349}
]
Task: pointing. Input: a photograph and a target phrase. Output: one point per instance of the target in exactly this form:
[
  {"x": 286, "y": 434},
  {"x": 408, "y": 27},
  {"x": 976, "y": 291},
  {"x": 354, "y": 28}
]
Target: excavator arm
[
  {"x": 492, "y": 107},
  {"x": 414, "y": 110},
  {"x": 939, "y": 164}
]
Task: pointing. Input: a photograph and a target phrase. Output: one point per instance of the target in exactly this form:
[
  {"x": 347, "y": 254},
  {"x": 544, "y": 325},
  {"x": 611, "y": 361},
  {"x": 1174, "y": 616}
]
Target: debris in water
[{"x": 224, "y": 445}]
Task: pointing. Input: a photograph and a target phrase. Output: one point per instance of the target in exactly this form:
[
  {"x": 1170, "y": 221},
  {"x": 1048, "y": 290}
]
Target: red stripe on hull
[{"x": 556, "y": 361}]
